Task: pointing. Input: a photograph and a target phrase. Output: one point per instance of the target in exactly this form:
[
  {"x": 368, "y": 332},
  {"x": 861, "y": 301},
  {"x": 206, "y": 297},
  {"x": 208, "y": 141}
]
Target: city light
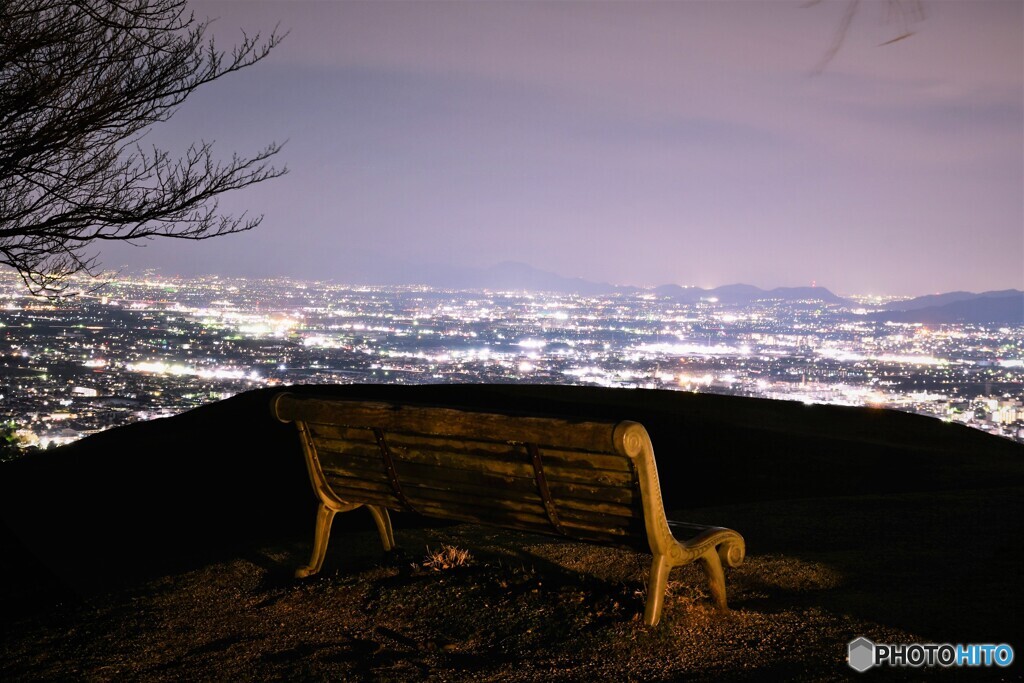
[{"x": 143, "y": 349}]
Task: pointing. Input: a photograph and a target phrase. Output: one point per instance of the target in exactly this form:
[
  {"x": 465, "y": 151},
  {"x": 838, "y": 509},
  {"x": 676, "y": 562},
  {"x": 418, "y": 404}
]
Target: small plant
[
  {"x": 446, "y": 557},
  {"x": 11, "y": 444}
]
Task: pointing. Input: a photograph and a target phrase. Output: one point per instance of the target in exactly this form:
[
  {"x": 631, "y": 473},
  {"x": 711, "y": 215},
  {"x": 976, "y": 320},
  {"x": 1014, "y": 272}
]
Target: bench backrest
[{"x": 589, "y": 480}]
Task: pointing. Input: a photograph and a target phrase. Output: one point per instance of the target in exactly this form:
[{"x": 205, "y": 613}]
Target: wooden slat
[
  {"x": 631, "y": 536},
  {"x": 597, "y": 518},
  {"x": 611, "y": 501},
  {"x": 567, "y": 494},
  {"x": 346, "y": 461},
  {"x": 619, "y": 495},
  {"x": 426, "y": 495},
  {"x": 374, "y": 480},
  {"x": 348, "y": 434},
  {"x": 460, "y": 469},
  {"x": 370, "y": 464},
  {"x": 569, "y": 459},
  {"x": 486, "y": 450},
  {"x": 478, "y": 450},
  {"x": 338, "y": 481},
  {"x": 518, "y": 520},
  {"x": 508, "y": 452},
  {"x": 521, "y": 520},
  {"x": 518, "y": 489},
  {"x": 617, "y": 526},
  {"x": 364, "y": 495},
  {"x": 631, "y": 541},
  {"x": 523, "y": 491},
  {"x": 570, "y": 434},
  {"x": 503, "y": 511},
  {"x": 598, "y": 514},
  {"x": 509, "y": 465},
  {"x": 538, "y": 526}
]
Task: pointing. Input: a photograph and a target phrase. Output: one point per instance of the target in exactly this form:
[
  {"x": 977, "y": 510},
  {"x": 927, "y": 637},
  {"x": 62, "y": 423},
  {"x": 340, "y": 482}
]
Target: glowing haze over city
[{"x": 695, "y": 143}]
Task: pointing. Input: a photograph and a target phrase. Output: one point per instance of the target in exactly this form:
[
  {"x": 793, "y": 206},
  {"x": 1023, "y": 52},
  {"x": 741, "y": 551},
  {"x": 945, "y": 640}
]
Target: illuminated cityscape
[{"x": 143, "y": 347}]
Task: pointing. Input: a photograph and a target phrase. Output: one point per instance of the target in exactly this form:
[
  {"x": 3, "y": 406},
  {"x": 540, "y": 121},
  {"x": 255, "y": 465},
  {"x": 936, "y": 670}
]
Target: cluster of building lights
[{"x": 150, "y": 346}]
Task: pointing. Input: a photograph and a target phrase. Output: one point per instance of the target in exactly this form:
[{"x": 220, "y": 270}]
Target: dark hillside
[
  {"x": 999, "y": 308},
  {"x": 172, "y": 491}
]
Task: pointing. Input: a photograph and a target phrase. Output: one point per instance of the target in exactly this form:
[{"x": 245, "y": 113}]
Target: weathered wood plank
[
  {"x": 573, "y": 495},
  {"x": 538, "y": 525},
  {"x": 339, "y": 480},
  {"x": 364, "y": 495},
  {"x": 631, "y": 542},
  {"x": 487, "y": 450},
  {"x": 522, "y": 520},
  {"x": 371, "y": 465},
  {"x": 345, "y": 461},
  {"x": 464, "y": 480},
  {"x": 576, "y": 435},
  {"x": 620, "y": 495},
  {"x": 508, "y": 452},
  {"x": 521, "y": 490},
  {"x": 507, "y": 465},
  {"x": 596, "y": 514},
  {"x": 349, "y": 434},
  {"x": 599, "y": 518},
  {"x": 569, "y": 459},
  {"x": 503, "y": 512}
]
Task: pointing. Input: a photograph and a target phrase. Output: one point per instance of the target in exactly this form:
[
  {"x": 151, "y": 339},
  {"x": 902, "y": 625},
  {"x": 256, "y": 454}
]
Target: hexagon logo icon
[{"x": 861, "y": 654}]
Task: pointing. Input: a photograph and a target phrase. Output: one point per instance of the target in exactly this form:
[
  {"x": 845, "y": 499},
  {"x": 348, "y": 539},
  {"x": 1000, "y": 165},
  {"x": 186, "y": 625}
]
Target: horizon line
[{"x": 113, "y": 274}]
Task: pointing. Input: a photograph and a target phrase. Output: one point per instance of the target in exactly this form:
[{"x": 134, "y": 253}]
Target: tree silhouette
[{"x": 81, "y": 81}]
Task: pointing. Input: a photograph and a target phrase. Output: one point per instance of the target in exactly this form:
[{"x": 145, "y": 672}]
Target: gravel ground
[{"x": 530, "y": 608}]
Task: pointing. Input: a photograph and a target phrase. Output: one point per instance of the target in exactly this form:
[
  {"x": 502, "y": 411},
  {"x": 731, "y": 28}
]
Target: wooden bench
[{"x": 584, "y": 480}]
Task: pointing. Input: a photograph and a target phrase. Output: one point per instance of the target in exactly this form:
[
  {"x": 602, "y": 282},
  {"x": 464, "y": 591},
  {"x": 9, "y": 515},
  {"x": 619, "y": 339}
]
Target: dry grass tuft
[{"x": 446, "y": 557}]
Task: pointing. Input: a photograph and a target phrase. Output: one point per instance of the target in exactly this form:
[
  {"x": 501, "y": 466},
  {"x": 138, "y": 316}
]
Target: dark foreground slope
[{"x": 174, "y": 540}]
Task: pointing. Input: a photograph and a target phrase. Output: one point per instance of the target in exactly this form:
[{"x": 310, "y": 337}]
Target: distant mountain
[
  {"x": 735, "y": 293},
  {"x": 935, "y": 300},
  {"x": 511, "y": 275},
  {"x": 998, "y": 308},
  {"x": 801, "y": 293},
  {"x": 507, "y": 275},
  {"x": 745, "y": 294},
  {"x": 680, "y": 293}
]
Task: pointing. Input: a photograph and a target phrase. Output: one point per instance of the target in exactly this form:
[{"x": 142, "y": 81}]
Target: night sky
[{"x": 682, "y": 142}]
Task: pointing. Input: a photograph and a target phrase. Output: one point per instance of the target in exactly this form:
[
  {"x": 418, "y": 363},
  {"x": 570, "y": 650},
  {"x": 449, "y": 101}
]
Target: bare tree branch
[{"x": 81, "y": 81}]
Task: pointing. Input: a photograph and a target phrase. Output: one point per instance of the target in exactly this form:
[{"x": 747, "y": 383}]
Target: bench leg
[
  {"x": 712, "y": 565},
  {"x": 656, "y": 585},
  {"x": 324, "y": 517},
  {"x": 383, "y": 520}
]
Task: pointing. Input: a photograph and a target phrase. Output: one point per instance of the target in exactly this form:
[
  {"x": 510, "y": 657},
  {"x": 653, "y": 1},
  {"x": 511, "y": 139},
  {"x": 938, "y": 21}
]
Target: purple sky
[{"x": 683, "y": 142}]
